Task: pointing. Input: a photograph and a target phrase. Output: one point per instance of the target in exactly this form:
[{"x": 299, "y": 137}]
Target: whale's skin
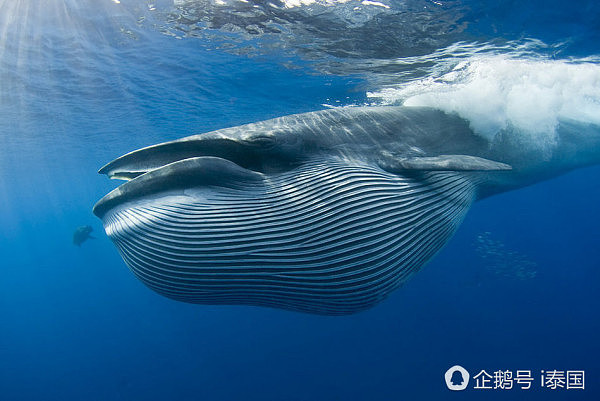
[{"x": 324, "y": 212}]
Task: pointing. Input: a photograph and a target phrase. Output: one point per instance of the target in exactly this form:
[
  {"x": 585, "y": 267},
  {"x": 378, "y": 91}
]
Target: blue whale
[{"x": 324, "y": 212}]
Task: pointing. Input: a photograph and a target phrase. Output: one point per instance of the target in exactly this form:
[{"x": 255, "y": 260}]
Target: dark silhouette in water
[{"x": 82, "y": 234}]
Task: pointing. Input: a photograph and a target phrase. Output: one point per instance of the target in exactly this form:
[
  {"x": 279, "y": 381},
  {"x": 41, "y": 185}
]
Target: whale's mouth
[
  {"x": 126, "y": 175},
  {"x": 178, "y": 175},
  {"x": 200, "y": 160}
]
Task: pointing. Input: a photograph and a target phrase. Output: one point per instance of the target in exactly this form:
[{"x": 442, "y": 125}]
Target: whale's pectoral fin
[
  {"x": 440, "y": 163},
  {"x": 182, "y": 174}
]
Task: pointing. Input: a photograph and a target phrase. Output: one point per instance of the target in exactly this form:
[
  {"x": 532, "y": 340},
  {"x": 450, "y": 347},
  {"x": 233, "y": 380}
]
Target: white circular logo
[{"x": 457, "y": 378}]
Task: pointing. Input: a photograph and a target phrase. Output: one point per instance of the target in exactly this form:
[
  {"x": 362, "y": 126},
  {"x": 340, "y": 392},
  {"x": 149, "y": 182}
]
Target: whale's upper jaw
[
  {"x": 283, "y": 143},
  {"x": 258, "y": 153}
]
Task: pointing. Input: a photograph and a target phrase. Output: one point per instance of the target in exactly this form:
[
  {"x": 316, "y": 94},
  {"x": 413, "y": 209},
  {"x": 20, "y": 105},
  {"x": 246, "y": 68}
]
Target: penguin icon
[{"x": 457, "y": 378}]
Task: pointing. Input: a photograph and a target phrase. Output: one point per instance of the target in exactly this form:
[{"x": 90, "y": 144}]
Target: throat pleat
[{"x": 324, "y": 238}]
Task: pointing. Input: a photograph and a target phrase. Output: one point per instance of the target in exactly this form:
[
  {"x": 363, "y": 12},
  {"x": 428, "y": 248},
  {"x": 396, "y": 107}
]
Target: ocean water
[{"x": 82, "y": 82}]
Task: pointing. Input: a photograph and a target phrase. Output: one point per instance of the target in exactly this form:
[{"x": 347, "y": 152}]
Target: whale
[{"x": 325, "y": 212}]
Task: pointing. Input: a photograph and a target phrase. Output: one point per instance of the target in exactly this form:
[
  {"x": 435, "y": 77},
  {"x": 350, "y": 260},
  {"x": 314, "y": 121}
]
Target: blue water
[{"x": 84, "y": 82}]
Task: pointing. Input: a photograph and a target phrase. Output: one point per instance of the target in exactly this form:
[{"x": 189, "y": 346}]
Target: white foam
[
  {"x": 300, "y": 3},
  {"x": 295, "y": 3},
  {"x": 497, "y": 92},
  {"x": 374, "y": 3}
]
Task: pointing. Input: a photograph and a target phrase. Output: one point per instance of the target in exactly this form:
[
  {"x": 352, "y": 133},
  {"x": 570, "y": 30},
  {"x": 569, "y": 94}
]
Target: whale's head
[{"x": 323, "y": 212}]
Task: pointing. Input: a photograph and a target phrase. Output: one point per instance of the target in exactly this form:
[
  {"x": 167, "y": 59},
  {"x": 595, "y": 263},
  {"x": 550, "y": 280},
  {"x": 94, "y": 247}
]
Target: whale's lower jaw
[{"x": 325, "y": 238}]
